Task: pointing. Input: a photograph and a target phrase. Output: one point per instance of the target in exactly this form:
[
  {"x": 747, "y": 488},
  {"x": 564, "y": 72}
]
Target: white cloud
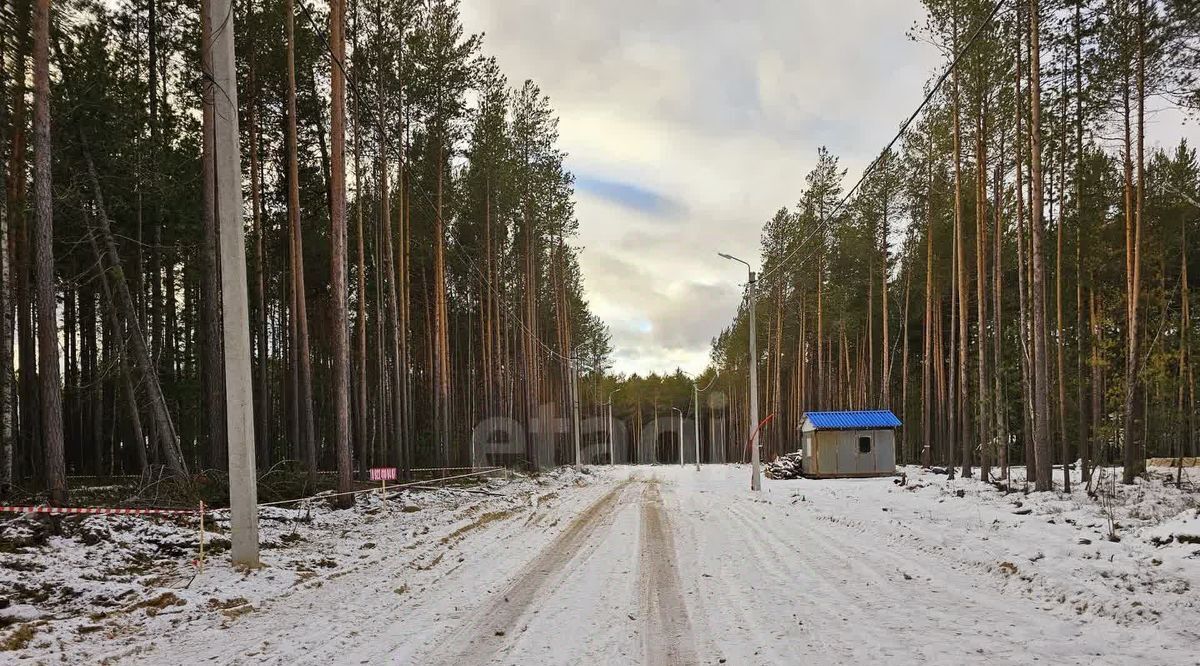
[{"x": 718, "y": 106}]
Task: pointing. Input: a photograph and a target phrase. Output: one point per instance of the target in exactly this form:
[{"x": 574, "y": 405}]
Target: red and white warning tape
[
  {"x": 95, "y": 509},
  {"x": 177, "y": 512}
]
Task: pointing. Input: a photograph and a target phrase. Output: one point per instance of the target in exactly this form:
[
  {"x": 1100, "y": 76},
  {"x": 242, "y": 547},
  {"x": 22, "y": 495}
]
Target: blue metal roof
[{"x": 883, "y": 418}]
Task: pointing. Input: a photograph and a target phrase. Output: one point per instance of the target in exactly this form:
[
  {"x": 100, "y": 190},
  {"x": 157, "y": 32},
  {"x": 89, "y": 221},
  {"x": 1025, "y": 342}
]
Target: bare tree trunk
[
  {"x": 998, "y": 397},
  {"x": 127, "y": 387},
  {"x": 941, "y": 389},
  {"x": 337, "y": 265},
  {"x": 983, "y": 409},
  {"x": 1058, "y": 300},
  {"x": 212, "y": 356},
  {"x": 6, "y": 305},
  {"x": 927, "y": 386},
  {"x": 885, "y": 351},
  {"x": 26, "y": 436},
  {"x": 262, "y": 430},
  {"x": 164, "y": 428},
  {"x": 404, "y": 255},
  {"x": 820, "y": 401},
  {"x": 399, "y": 322},
  {"x": 302, "y": 353},
  {"x": 50, "y": 391},
  {"x": 1041, "y": 374},
  {"x": 360, "y": 321},
  {"x": 907, "y": 439},
  {"x": 1185, "y": 344},
  {"x": 1080, "y": 335},
  {"x": 961, "y": 282},
  {"x": 1135, "y": 458},
  {"x": 1097, "y": 378},
  {"x": 389, "y": 259},
  {"x": 1022, "y": 286},
  {"x": 1186, "y": 401}
]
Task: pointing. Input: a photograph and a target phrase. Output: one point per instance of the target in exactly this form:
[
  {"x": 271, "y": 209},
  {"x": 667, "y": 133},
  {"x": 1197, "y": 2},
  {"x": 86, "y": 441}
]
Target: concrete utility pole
[
  {"x": 611, "y": 460},
  {"x": 239, "y": 400},
  {"x": 755, "y": 475},
  {"x": 575, "y": 408},
  {"x": 680, "y": 435}
]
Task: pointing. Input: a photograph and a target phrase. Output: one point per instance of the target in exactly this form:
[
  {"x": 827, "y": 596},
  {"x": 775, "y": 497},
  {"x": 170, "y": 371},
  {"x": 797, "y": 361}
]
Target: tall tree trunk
[
  {"x": 390, "y": 260},
  {"x": 360, "y": 358},
  {"x": 1135, "y": 458},
  {"x": 212, "y": 357},
  {"x": 998, "y": 397},
  {"x": 1080, "y": 335},
  {"x": 164, "y": 428},
  {"x": 441, "y": 314},
  {"x": 262, "y": 429},
  {"x": 6, "y": 305},
  {"x": 360, "y": 319},
  {"x": 1097, "y": 380},
  {"x": 302, "y": 353},
  {"x": 1041, "y": 374},
  {"x": 885, "y": 349},
  {"x": 961, "y": 279},
  {"x": 927, "y": 358},
  {"x": 907, "y": 439},
  {"x": 397, "y": 304},
  {"x": 337, "y": 265},
  {"x": 982, "y": 390},
  {"x": 126, "y": 379},
  {"x": 50, "y": 391},
  {"x": 26, "y": 439},
  {"x": 1022, "y": 286},
  {"x": 1065, "y": 447},
  {"x": 820, "y": 401},
  {"x": 404, "y": 256},
  {"x": 1186, "y": 402}
]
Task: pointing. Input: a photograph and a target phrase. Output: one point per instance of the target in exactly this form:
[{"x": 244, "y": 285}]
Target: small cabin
[{"x": 849, "y": 444}]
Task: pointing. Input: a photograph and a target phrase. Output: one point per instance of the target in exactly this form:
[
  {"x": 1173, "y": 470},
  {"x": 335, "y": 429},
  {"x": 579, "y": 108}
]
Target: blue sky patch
[{"x": 628, "y": 195}]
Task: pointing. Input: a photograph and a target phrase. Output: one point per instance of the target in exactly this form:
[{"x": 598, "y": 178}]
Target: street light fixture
[
  {"x": 755, "y": 478},
  {"x": 611, "y": 461}
]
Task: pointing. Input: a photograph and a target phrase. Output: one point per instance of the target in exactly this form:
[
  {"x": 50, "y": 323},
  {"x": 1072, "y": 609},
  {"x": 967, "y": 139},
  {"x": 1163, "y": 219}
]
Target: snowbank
[
  {"x": 1128, "y": 553},
  {"x": 82, "y": 585}
]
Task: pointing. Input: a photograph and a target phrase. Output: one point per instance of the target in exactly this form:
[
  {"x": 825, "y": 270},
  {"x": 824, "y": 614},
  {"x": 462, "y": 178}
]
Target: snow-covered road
[{"x": 663, "y": 565}]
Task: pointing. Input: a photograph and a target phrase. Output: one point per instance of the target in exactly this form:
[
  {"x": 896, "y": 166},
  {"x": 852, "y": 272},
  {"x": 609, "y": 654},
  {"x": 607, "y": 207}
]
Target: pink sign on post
[{"x": 383, "y": 473}]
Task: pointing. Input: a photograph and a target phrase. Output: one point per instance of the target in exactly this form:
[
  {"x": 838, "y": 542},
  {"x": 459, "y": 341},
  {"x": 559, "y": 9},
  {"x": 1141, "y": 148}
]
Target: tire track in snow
[
  {"x": 986, "y": 626},
  {"x": 487, "y": 634},
  {"x": 824, "y": 607},
  {"x": 667, "y": 638}
]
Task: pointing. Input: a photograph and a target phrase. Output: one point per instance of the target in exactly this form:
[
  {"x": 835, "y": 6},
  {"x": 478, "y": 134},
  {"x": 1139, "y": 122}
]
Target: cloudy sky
[{"x": 689, "y": 124}]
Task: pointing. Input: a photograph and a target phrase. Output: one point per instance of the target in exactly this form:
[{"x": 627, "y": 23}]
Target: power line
[{"x": 822, "y": 224}]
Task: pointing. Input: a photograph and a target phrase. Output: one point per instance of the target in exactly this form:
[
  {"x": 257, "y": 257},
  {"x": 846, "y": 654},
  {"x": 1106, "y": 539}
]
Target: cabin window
[{"x": 864, "y": 444}]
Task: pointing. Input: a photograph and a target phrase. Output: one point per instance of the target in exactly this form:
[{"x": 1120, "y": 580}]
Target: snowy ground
[{"x": 652, "y": 565}]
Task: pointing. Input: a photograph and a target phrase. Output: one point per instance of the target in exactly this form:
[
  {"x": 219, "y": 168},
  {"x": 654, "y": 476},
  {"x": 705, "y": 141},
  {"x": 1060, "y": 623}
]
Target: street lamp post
[
  {"x": 680, "y": 435},
  {"x": 611, "y": 460},
  {"x": 756, "y": 477}
]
